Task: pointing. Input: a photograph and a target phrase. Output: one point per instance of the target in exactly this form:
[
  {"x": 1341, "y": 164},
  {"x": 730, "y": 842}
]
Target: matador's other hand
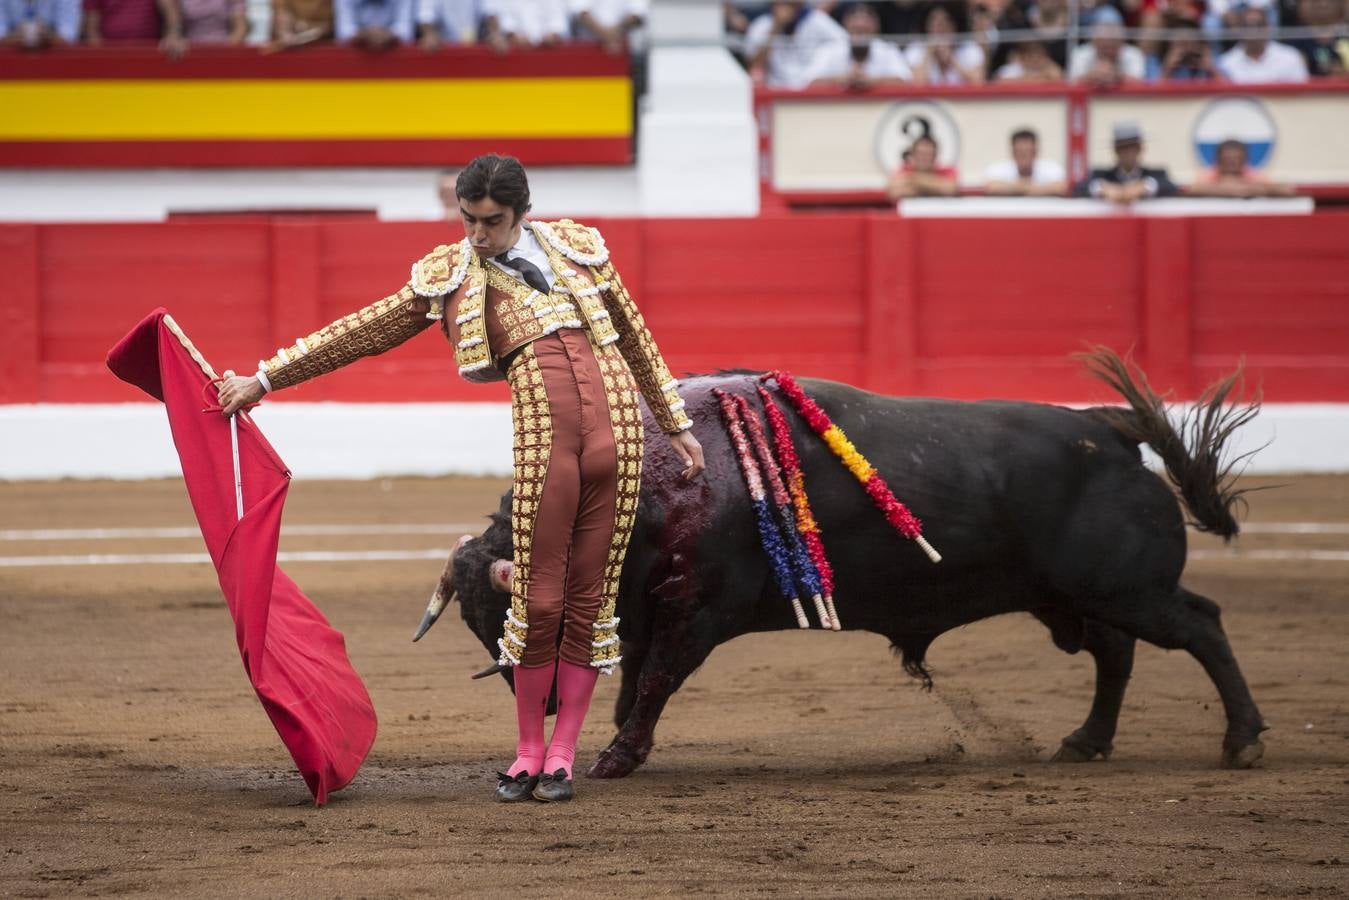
[
  {"x": 687, "y": 448},
  {"x": 238, "y": 391}
]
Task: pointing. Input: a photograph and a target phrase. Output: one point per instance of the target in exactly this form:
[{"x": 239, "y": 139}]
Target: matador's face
[{"x": 491, "y": 228}]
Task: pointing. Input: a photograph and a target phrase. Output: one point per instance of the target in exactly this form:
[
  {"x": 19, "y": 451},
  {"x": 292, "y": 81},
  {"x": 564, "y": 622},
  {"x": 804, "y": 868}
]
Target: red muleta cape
[{"x": 295, "y": 660}]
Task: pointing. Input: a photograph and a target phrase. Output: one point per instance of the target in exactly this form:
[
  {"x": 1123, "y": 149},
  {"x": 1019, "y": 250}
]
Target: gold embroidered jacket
[{"x": 450, "y": 284}]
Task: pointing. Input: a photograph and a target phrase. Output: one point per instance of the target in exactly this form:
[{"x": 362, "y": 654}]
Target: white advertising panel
[
  {"x": 852, "y": 145},
  {"x": 1302, "y": 139}
]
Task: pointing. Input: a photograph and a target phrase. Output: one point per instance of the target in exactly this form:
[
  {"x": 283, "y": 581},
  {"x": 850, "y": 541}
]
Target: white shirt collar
[{"x": 529, "y": 247}]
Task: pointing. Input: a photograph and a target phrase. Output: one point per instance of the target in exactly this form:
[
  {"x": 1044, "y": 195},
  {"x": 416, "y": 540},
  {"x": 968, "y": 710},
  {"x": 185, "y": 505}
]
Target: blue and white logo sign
[
  {"x": 906, "y": 122},
  {"x": 1235, "y": 118}
]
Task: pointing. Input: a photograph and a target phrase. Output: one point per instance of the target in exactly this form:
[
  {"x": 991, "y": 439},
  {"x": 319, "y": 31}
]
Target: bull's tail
[{"x": 1193, "y": 449}]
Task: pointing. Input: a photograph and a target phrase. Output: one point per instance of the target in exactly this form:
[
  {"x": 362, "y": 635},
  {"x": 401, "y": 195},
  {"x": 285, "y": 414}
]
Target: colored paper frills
[
  {"x": 806, "y": 525},
  {"x": 768, "y": 530},
  {"x": 896, "y": 513}
]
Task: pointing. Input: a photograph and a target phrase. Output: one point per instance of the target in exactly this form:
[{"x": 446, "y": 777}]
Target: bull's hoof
[
  {"x": 1243, "y": 757},
  {"x": 1077, "y": 748},
  {"x": 616, "y": 761}
]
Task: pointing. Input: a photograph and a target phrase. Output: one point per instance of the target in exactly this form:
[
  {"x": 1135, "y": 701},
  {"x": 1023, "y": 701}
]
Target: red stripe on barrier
[
  {"x": 136, "y": 60},
  {"x": 237, "y": 154}
]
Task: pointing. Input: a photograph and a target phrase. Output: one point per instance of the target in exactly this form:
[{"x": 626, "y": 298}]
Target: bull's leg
[
  {"x": 1113, "y": 651},
  {"x": 634, "y": 655},
  {"x": 676, "y": 652},
  {"x": 1182, "y": 620}
]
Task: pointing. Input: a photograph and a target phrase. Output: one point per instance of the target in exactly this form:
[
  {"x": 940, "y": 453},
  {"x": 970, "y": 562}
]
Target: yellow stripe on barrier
[{"x": 316, "y": 109}]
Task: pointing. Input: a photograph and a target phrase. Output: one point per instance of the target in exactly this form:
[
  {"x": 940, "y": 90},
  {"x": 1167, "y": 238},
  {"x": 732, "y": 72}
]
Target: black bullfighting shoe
[
  {"x": 555, "y": 787},
  {"x": 514, "y": 788}
]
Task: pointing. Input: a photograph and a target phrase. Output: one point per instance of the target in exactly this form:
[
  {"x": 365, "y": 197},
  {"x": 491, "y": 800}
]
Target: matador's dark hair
[{"x": 500, "y": 177}]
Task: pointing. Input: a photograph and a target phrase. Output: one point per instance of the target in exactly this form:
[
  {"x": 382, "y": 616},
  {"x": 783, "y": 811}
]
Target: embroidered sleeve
[
  {"x": 639, "y": 350},
  {"x": 379, "y": 327}
]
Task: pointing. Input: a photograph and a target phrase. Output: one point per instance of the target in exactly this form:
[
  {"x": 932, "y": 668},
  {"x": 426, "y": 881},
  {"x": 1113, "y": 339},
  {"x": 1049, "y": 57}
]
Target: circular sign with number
[{"x": 906, "y": 122}]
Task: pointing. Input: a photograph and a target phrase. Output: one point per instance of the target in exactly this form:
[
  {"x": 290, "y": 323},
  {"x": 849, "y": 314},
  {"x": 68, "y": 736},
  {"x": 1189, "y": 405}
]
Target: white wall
[
  {"x": 396, "y": 194},
  {"x": 359, "y": 440}
]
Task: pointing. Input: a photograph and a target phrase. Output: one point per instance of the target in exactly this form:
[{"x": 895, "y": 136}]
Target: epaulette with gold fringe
[
  {"x": 442, "y": 270},
  {"x": 579, "y": 243}
]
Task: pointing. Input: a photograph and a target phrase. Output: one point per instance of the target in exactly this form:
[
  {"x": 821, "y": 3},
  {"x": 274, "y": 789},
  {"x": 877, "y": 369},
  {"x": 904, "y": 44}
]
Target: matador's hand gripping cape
[{"x": 296, "y": 662}]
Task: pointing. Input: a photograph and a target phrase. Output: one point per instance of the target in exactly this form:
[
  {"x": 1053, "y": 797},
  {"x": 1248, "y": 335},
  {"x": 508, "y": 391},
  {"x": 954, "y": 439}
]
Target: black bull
[{"x": 1035, "y": 508}]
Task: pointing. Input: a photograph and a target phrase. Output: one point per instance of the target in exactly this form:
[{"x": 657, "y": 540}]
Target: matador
[{"x": 540, "y": 305}]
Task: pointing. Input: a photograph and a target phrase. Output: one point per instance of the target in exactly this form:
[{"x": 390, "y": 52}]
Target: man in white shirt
[
  {"x": 794, "y": 43},
  {"x": 1258, "y": 60},
  {"x": 448, "y": 22},
  {"x": 873, "y": 59},
  {"x": 1107, "y": 61},
  {"x": 526, "y": 23},
  {"x": 373, "y": 24},
  {"x": 1025, "y": 174}
]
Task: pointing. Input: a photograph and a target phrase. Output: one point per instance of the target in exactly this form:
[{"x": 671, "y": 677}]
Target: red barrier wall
[{"x": 959, "y": 308}]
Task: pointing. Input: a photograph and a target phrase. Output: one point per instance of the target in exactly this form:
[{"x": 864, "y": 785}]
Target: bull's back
[{"x": 1054, "y": 492}]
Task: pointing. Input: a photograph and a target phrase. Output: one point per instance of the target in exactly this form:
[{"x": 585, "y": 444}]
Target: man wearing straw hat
[{"x": 540, "y": 305}]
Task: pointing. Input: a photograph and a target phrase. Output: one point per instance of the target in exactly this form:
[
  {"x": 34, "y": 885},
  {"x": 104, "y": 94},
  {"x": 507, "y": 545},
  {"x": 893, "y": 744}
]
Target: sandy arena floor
[{"x": 134, "y": 758}]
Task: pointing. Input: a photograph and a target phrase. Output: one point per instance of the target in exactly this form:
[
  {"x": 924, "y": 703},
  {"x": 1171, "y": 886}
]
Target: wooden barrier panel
[{"x": 961, "y": 308}]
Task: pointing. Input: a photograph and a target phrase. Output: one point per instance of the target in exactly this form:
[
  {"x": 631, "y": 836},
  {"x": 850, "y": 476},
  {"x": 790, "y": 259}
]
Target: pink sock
[
  {"x": 532, "y": 686},
  {"x": 575, "y": 684}
]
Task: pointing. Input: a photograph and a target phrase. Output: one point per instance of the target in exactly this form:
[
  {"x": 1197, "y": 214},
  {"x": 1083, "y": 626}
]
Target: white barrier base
[
  {"x": 368, "y": 440},
  {"x": 317, "y": 440}
]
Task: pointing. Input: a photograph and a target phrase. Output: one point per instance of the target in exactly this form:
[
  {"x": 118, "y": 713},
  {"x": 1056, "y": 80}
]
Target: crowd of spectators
[
  {"x": 796, "y": 45},
  {"x": 370, "y": 24}
]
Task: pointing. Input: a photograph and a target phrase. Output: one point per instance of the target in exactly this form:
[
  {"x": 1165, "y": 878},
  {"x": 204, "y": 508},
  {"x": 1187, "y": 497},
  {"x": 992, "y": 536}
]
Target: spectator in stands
[
  {"x": 1029, "y": 61},
  {"x": 374, "y": 25},
  {"x": 1025, "y": 174},
  {"x": 795, "y": 43},
  {"x": 299, "y": 22},
  {"x": 983, "y": 25},
  {"x": 448, "y": 22},
  {"x": 38, "y": 24},
  {"x": 1186, "y": 59},
  {"x": 938, "y": 59},
  {"x": 1225, "y": 14},
  {"x": 1232, "y": 176},
  {"x": 921, "y": 176},
  {"x": 134, "y": 20},
  {"x": 611, "y": 22},
  {"x": 1106, "y": 61},
  {"x": 1259, "y": 60},
  {"x": 902, "y": 16},
  {"x": 1128, "y": 180},
  {"x": 1327, "y": 51},
  {"x": 213, "y": 21},
  {"x": 526, "y": 23},
  {"x": 1050, "y": 19},
  {"x": 873, "y": 60}
]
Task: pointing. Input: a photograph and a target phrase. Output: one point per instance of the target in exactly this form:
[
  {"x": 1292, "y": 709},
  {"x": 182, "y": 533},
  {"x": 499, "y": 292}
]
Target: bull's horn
[
  {"x": 444, "y": 592},
  {"x": 433, "y": 610},
  {"x": 490, "y": 670}
]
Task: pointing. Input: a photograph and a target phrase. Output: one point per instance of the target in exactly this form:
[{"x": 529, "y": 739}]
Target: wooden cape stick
[{"x": 200, "y": 360}]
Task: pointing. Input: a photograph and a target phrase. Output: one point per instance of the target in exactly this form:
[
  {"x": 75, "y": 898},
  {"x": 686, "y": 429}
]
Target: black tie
[{"x": 530, "y": 272}]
